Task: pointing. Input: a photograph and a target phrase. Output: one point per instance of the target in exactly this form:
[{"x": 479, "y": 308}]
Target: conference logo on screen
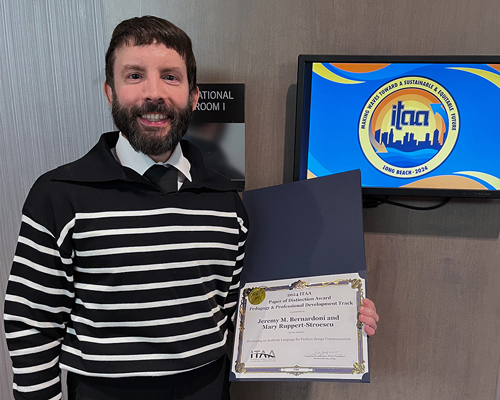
[{"x": 408, "y": 127}]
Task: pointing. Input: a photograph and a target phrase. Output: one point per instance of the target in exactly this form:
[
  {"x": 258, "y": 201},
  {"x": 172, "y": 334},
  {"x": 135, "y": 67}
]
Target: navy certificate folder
[{"x": 305, "y": 228}]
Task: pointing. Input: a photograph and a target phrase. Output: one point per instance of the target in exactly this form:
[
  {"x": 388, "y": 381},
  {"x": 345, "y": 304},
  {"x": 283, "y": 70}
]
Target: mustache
[{"x": 160, "y": 108}]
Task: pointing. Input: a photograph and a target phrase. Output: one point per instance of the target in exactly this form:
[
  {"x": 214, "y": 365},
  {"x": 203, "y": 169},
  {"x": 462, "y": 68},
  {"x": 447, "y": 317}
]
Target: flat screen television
[{"x": 413, "y": 125}]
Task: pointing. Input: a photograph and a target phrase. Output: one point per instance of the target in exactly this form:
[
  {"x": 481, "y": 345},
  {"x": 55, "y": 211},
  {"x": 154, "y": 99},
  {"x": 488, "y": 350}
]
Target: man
[{"x": 126, "y": 274}]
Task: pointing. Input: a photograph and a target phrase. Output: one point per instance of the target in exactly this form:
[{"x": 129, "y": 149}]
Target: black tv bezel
[{"x": 304, "y": 74}]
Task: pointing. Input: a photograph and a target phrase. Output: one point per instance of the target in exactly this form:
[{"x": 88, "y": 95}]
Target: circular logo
[
  {"x": 256, "y": 296},
  {"x": 408, "y": 127}
]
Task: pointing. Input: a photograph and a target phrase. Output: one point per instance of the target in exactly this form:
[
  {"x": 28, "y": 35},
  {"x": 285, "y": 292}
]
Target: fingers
[
  {"x": 369, "y": 330},
  {"x": 368, "y": 316},
  {"x": 370, "y": 324},
  {"x": 368, "y": 309}
]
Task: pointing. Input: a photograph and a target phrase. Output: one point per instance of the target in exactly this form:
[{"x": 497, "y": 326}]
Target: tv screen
[{"x": 413, "y": 125}]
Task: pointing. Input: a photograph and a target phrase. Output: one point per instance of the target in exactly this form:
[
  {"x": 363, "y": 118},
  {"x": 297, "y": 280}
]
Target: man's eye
[
  {"x": 134, "y": 76},
  {"x": 170, "y": 78}
]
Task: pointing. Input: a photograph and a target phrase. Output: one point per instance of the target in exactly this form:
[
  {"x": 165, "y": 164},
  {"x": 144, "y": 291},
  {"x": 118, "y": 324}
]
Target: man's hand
[{"x": 368, "y": 316}]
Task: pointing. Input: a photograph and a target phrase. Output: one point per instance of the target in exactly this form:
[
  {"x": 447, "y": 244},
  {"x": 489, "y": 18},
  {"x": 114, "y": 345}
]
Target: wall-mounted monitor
[{"x": 413, "y": 125}]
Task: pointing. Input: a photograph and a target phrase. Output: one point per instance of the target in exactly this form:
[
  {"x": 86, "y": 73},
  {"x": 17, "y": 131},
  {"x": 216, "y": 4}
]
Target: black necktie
[{"x": 165, "y": 178}]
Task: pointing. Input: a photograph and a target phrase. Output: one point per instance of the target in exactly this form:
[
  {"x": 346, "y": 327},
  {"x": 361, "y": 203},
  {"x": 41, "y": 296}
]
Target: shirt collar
[
  {"x": 99, "y": 165},
  {"x": 140, "y": 162}
]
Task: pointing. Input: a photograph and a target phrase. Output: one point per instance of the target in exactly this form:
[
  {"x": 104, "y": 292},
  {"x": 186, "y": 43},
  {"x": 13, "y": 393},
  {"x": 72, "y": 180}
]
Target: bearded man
[{"x": 127, "y": 267}]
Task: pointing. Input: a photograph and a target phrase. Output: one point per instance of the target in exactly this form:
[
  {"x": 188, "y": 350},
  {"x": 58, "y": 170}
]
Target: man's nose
[{"x": 154, "y": 90}]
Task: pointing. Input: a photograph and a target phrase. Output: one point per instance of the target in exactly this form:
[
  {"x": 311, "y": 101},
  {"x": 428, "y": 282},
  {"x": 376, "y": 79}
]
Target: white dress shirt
[{"x": 140, "y": 162}]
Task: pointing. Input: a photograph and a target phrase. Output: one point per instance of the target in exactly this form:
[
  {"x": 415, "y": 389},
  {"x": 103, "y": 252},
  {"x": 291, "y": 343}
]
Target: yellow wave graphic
[
  {"x": 492, "y": 180},
  {"x": 446, "y": 182},
  {"x": 489, "y": 76},
  {"x": 324, "y": 72},
  {"x": 310, "y": 175}
]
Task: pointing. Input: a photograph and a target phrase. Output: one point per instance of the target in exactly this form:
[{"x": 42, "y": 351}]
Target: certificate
[{"x": 304, "y": 328}]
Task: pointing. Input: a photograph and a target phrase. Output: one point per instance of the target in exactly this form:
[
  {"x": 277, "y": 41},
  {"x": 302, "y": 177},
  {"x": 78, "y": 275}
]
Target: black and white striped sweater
[{"x": 113, "y": 278}]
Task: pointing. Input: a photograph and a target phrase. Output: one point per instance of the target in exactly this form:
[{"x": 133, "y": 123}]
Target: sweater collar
[
  {"x": 140, "y": 162},
  {"x": 99, "y": 165}
]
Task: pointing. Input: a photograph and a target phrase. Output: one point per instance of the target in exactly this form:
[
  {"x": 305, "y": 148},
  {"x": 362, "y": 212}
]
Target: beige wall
[{"x": 433, "y": 275}]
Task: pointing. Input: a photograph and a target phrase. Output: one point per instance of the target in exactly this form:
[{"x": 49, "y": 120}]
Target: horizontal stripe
[
  {"x": 155, "y": 211},
  {"x": 141, "y": 339},
  {"x": 240, "y": 257},
  {"x": 126, "y": 374},
  {"x": 41, "y": 288},
  {"x": 149, "y": 304},
  {"x": 228, "y": 306},
  {"x": 163, "y": 247},
  {"x": 44, "y": 249},
  {"x": 37, "y": 306},
  {"x": 140, "y": 324},
  {"x": 161, "y": 229},
  {"x": 32, "y": 322},
  {"x": 41, "y": 268},
  {"x": 151, "y": 286},
  {"x": 23, "y": 333},
  {"x": 38, "y": 247},
  {"x": 36, "y": 388},
  {"x": 67, "y": 261},
  {"x": 143, "y": 357},
  {"x": 35, "y": 349},
  {"x": 36, "y": 368},
  {"x": 36, "y": 225},
  {"x": 155, "y": 267}
]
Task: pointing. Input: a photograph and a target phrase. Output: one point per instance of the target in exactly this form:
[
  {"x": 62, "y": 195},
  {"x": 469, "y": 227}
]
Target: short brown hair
[{"x": 145, "y": 30}]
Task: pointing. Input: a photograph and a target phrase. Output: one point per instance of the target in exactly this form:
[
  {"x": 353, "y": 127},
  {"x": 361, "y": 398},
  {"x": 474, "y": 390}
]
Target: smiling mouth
[{"x": 154, "y": 117}]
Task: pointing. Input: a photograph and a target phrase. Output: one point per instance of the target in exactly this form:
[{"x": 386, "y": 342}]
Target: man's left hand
[{"x": 368, "y": 316}]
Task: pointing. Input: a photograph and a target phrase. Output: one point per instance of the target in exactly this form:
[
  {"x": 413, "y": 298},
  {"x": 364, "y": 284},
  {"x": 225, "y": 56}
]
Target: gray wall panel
[{"x": 51, "y": 106}]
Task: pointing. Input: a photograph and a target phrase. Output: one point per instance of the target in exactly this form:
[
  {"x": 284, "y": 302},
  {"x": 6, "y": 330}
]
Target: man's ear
[
  {"x": 195, "y": 96},
  {"x": 108, "y": 91}
]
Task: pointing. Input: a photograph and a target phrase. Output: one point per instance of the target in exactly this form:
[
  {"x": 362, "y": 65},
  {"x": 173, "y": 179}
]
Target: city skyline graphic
[
  {"x": 407, "y": 132},
  {"x": 409, "y": 143}
]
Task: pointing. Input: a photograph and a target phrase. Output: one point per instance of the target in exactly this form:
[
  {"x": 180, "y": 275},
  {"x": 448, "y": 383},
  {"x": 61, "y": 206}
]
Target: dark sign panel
[
  {"x": 218, "y": 129},
  {"x": 220, "y": 103}
]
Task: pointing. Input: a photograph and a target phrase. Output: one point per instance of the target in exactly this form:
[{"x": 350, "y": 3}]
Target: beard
[{"x": 149, "y": 140}]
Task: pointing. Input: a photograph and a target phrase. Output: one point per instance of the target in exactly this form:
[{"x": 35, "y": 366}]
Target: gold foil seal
[{"x": 256, "y": 296}]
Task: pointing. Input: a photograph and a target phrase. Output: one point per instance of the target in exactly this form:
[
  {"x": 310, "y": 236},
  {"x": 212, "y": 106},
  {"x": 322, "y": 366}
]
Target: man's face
[{"x": 151, "y": 103}]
